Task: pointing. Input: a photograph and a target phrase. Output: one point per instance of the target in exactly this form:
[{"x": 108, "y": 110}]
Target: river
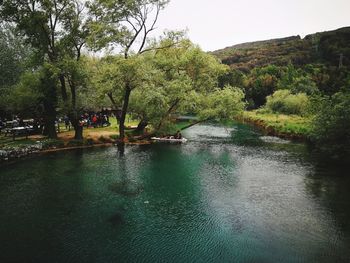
[{"x": 229, "y": 194}]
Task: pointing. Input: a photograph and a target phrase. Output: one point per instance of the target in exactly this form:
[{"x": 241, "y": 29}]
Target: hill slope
[{"x": 325, "y": 47}]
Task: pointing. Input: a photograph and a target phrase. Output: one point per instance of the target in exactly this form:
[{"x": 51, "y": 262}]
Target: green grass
[{"x": 279, "y": 123}]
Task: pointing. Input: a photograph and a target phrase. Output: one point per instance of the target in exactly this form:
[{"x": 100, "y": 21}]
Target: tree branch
[
  {"x": 158, "y": 48},
  {"x": 149, "y": 30},
  {"x": 126, "y": 52}
]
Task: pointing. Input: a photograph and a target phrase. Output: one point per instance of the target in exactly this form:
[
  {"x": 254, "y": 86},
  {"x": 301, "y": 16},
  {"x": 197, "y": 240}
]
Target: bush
[
  {"x": 331, "y": 125},
  {"x": 283, "y": 101}
]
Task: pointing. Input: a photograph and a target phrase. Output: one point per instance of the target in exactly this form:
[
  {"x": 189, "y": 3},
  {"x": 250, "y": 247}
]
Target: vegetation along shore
[{"x": 292, "y": 87}]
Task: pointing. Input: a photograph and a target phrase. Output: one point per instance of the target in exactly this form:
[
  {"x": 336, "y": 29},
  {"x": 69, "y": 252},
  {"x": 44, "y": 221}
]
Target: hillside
[{"x": 325, "y": 47}]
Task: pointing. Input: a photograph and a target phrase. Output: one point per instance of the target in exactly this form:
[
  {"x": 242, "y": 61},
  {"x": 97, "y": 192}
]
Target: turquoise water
[{"x": 229, "y": 194}]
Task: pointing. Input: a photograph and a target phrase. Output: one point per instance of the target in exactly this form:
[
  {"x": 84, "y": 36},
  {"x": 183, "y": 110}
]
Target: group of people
[
  {"x": 90, "y": 119},
  {"x": 177, "y": 135}
]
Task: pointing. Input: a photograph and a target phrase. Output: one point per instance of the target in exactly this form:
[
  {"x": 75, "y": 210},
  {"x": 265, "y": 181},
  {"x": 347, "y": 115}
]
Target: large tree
[
  {"x": 55, "y": 29},
  {"x": 128, "y": 26},
  {"x": 182, "y": 70},
  {"x": 185, "y": 80}
]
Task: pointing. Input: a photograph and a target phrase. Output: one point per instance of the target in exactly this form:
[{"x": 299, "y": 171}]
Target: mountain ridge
[{"x": 320, "y": 47}]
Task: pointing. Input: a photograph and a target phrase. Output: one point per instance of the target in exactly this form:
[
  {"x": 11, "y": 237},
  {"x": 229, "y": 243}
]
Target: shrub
[
  {"x": 331, "y": 125},
  {"x": 283, "y": 101}
]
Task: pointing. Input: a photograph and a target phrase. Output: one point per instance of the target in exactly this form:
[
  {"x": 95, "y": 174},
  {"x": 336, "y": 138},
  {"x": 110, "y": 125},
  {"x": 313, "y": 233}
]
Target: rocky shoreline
[{"x": 9, "y": 153}]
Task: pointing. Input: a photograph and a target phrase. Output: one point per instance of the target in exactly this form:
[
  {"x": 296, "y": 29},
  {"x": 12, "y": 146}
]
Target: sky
[{"x": 216, "y": 24}]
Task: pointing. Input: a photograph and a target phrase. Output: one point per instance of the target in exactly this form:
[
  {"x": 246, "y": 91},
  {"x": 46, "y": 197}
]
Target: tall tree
[
  {"x": 127, "y": 25},
  {"x": 185, "y": 80},
  {"x": 54, "y": 28}
]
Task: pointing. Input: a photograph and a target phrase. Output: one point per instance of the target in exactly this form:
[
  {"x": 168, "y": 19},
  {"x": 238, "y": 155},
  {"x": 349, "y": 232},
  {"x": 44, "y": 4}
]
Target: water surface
[{"x": 229, "y": 194}]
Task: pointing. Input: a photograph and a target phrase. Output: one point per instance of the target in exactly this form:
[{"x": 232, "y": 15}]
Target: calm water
[{"x": 228, "y": 195}]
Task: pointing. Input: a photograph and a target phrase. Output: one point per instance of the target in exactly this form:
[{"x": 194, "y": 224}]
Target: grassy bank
[{"x": 287, "y": 126}]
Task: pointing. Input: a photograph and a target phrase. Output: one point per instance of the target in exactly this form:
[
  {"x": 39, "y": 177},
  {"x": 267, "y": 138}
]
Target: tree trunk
[
  {"x": 74, "y": 116},
  {"x": 142, "y": 125},
  {"x": 115, "y": 106},
  {"x": 121, "y": 148},
  {"x": 63, "y": 88},
  {"x": 49, "y": 102},
  {"x": 123, "y": 113},
  {"x": 78, "y": 135},
  {"x": 169, "y": 111},
  {"x": 49, "y": 120}
]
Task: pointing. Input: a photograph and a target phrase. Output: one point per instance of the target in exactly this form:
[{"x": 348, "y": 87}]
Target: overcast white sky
[{"x": 215, "y": 24}]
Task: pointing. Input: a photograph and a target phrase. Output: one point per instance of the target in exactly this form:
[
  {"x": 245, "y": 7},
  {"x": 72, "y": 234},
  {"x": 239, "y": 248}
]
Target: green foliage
[
  {"x": 122, "y": 23},
  {"x": 324, "y": 47},
  {"x": 297, "y": 81},
  {"x": 179, "y": 75},
  {"x": 260, "y": 83},
  {"x": 331, "y": 125},
  {"x": 283, "y": 101},
  {"x": 26, "y": 97},
  {"x": 333, "y": 43},
  {"x": 168, "y": 127},
  {"x": 221, "y": 104},
  {"x": 14, "y": 60},
  {"x": 232, "y": 77}
]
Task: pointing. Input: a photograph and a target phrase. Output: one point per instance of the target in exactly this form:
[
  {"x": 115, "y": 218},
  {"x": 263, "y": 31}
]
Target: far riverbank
[{"x": 291, "y": 127}]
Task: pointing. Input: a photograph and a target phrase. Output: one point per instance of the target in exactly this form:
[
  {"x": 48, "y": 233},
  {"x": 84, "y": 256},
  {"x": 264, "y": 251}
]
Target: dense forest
[{"x": 50, "y": 68}]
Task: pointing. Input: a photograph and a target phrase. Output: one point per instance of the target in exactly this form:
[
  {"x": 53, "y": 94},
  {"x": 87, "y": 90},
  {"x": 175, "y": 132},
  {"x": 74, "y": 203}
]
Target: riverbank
[
  {"x": 8, "y": 153},
  {"x": 285, "y": 126},
  {"x": 93, "y": 137}
]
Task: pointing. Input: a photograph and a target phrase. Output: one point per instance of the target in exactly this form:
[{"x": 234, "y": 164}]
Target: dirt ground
[{"x": 88, "y": 134}]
